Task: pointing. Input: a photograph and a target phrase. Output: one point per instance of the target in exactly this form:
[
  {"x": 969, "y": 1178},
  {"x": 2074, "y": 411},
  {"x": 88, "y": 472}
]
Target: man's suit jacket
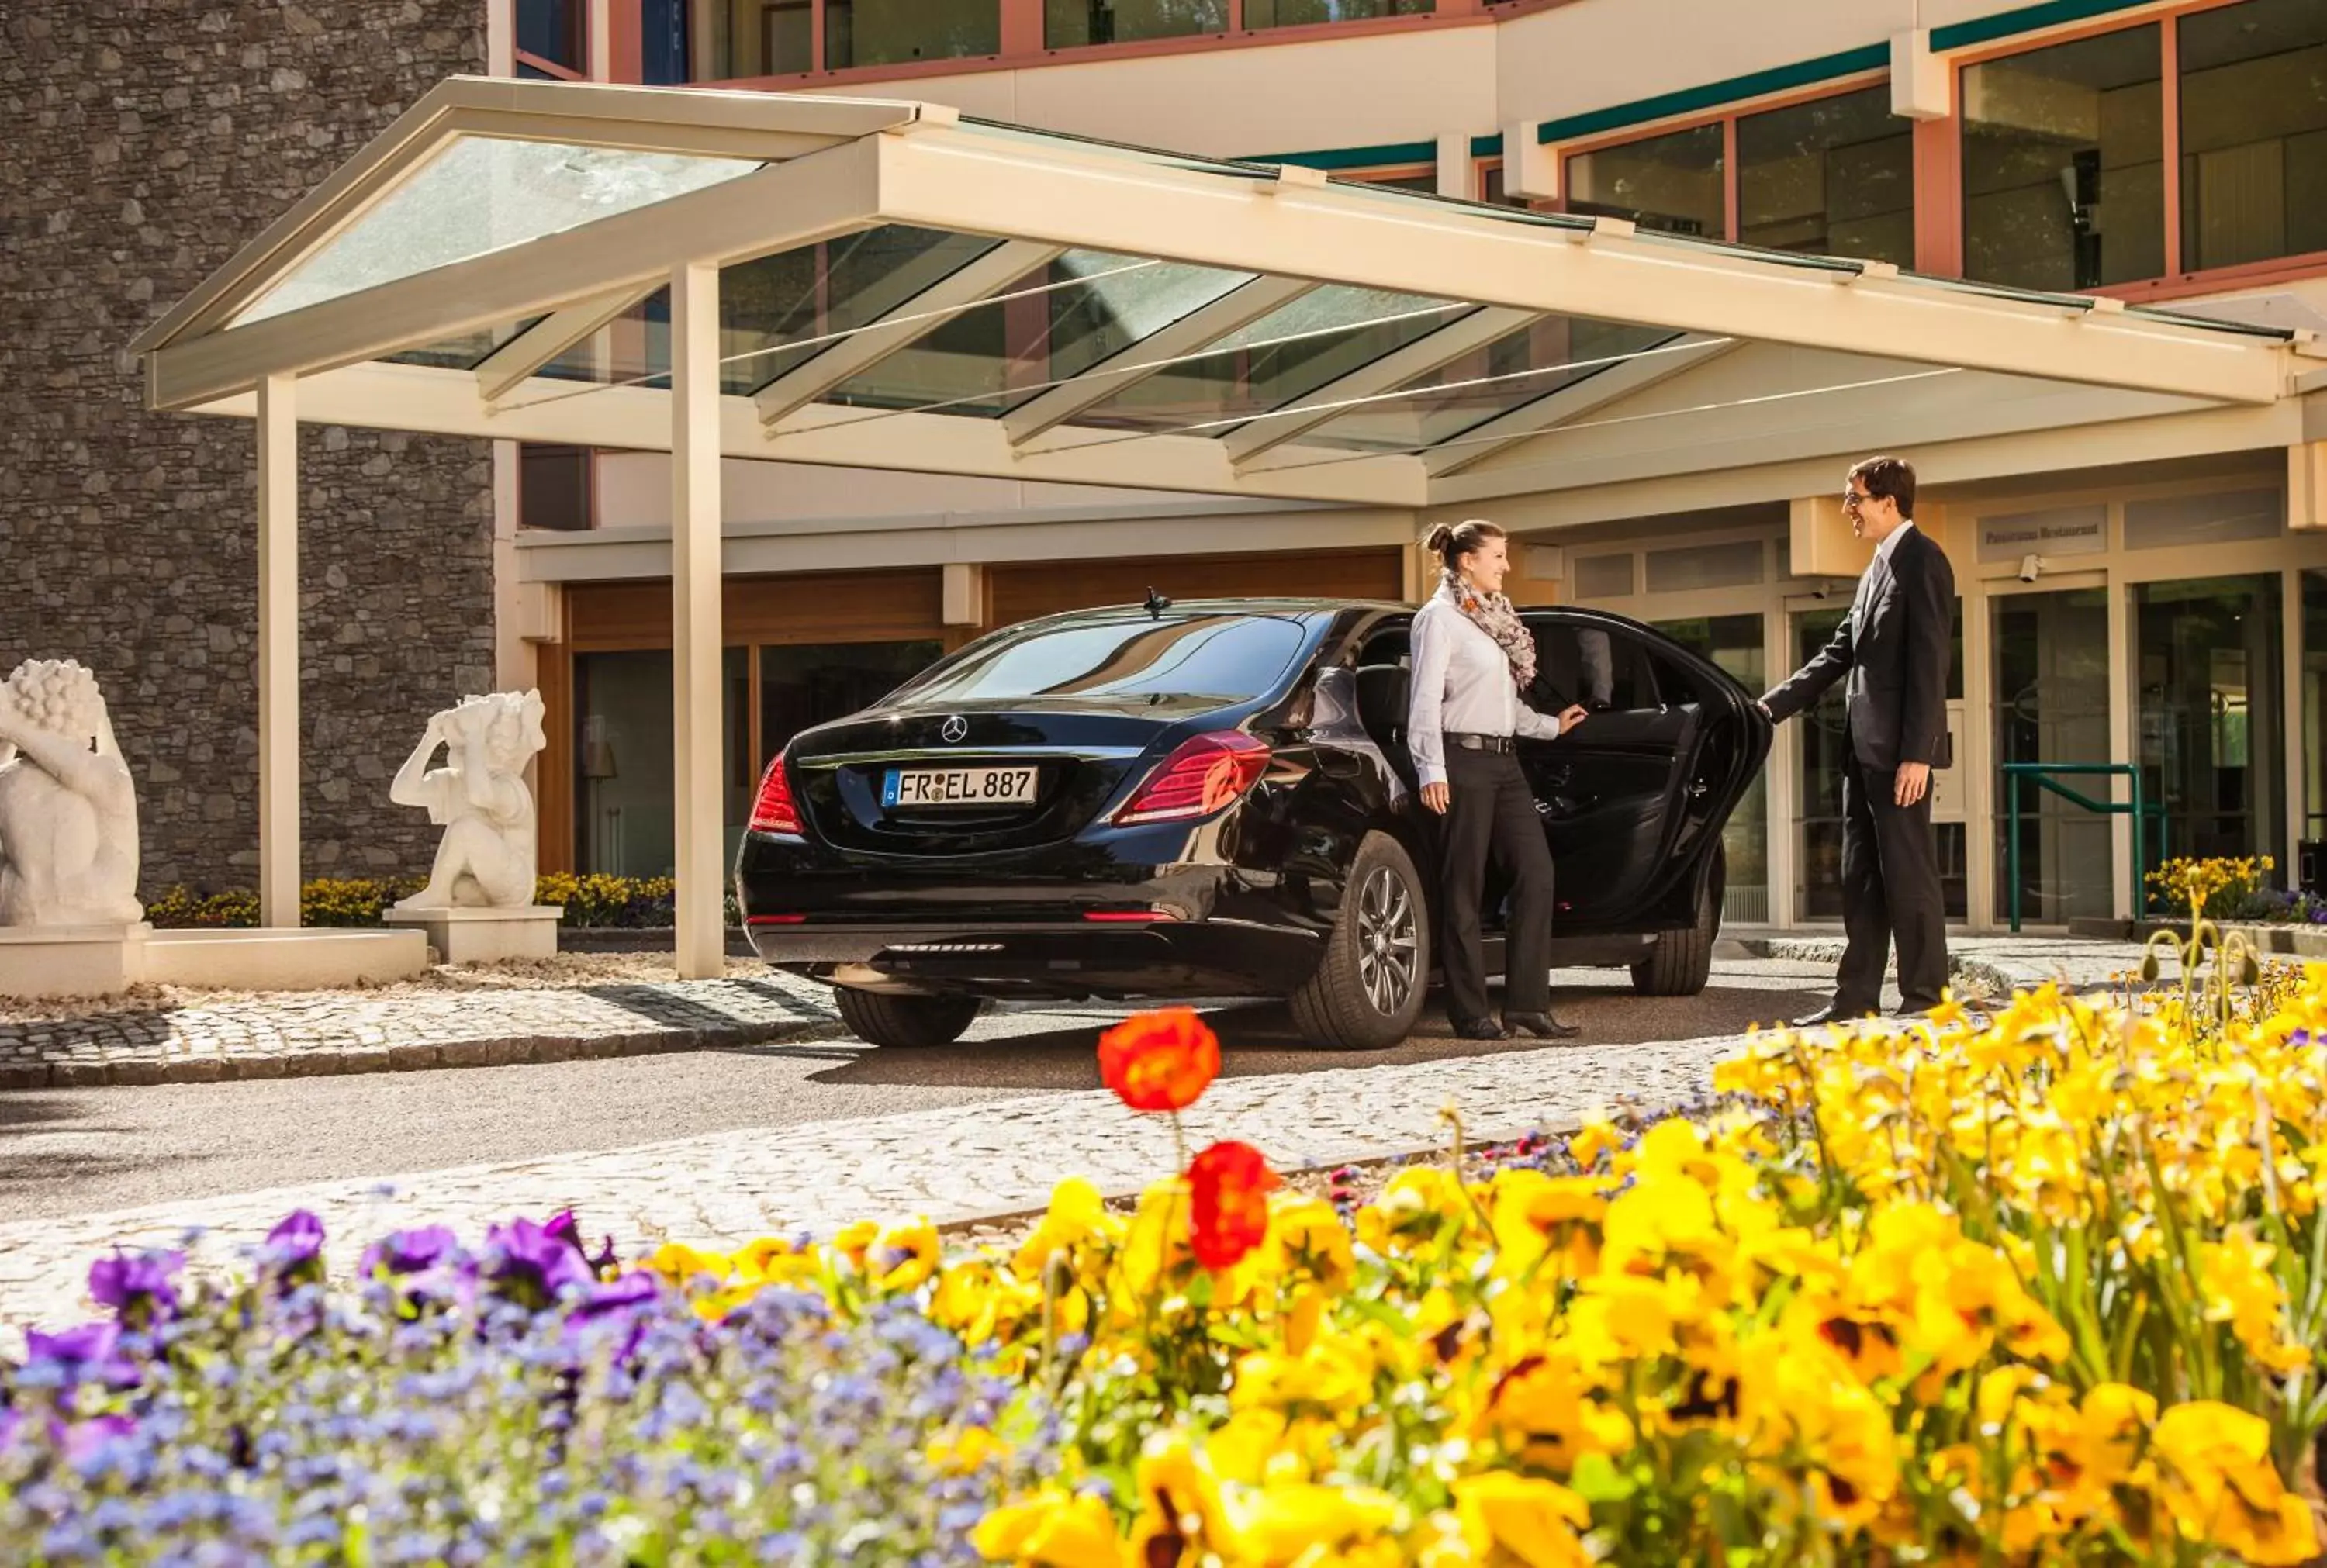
[{"x": 1897, "y": 662}]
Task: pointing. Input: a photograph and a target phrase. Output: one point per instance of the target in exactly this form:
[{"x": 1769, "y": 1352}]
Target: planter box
[{"x": 2286, "y": 941}]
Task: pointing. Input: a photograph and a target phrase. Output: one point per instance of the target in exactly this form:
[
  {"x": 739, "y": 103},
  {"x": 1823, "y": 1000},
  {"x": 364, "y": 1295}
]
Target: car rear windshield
[{"x": 1134, "y": 659}]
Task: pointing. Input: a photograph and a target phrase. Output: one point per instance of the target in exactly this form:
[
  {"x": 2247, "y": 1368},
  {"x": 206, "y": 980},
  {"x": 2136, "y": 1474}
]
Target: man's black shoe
[
  {"x": 1542, "y": 1025},
  {"x": 1831, "y": 1014},
  {"x": 1480, "y": 1029}
]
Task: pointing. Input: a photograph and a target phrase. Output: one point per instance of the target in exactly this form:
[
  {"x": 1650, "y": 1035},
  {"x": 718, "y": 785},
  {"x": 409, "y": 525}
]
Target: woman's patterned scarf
[{"x": 1492, "y": 614}]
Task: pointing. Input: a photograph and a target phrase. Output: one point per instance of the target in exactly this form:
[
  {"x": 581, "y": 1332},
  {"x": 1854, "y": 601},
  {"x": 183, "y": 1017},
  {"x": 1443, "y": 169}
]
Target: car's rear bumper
[{"x": 1048, "y": 958}]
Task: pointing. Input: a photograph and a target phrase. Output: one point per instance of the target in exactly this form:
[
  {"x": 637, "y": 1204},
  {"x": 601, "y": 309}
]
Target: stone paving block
[
  {"x": 194, "y": 1069},
  {"x": 77, "y": 1074},
  {"x": 412, "y": 1056}
]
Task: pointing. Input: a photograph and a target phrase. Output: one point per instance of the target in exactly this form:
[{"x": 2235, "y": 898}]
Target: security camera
[{"x": 2029, "y": 567}]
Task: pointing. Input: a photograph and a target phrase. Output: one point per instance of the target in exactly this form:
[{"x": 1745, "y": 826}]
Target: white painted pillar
[
  {"x": 601, "y": 41},
  {"x": 695, "y": 632},
  {"x": 2291, "y": 743},
  {"x": 278, "y": 653}
]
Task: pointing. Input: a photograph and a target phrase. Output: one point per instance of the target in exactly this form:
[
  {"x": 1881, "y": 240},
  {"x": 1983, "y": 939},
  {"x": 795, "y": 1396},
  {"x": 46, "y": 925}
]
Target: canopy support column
[
  {"x": 695, "y": 632},
  {"x": 278, "y": 652}
]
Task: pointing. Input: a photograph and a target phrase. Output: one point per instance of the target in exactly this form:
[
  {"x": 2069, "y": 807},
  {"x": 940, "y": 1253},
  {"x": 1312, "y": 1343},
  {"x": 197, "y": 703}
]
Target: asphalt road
[{"x": 66, "y": 1152}]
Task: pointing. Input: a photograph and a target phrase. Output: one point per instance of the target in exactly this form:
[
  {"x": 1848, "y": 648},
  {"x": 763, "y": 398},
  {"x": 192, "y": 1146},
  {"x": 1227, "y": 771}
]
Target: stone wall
[{"x": 142, "y": 142}]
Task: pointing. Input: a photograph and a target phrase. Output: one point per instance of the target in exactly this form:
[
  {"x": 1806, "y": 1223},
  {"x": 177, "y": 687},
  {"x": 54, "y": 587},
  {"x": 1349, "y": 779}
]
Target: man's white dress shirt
[{"x": 1462, "y": 685}]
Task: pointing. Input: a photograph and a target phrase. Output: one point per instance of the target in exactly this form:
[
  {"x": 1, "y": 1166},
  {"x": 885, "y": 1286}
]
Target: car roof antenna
[{"x": 1156, "y": 604}]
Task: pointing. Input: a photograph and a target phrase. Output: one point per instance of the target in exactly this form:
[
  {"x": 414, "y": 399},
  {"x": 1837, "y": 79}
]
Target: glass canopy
[{"x": 907, "y": 288}]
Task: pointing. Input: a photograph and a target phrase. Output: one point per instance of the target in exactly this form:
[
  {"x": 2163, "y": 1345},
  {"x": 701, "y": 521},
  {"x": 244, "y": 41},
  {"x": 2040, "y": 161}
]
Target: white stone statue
[
  {"x": 68, "y": 809},
  {"x": 486, "y": 860}
]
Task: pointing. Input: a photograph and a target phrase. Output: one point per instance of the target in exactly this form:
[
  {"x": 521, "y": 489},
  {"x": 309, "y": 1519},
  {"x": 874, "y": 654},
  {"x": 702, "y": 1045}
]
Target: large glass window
[
  {"x": 628, "y": 803},
  {"x": 802, "y": 685},
  {"x": 2210, "y": 746},
  {"x": 1836, "y": 176},
  {"x": 1069, "y": 23},
  {"x": 1673, "y": 182},
  {"x": 2314, "y": 703},
  {"x": 2064, "y": 164},
  {"x": 555, "y": 33},
  {"x": 896, "y": 32},
  {"x": 1298, "y": 13},
  {"x": 2253, "y": 131},
  {"x": 554, "y": 487},
  {"x": 2050, "y": 665},
  {"x": 665, "y": 54},
  {"x": 1735, "y": 643}
]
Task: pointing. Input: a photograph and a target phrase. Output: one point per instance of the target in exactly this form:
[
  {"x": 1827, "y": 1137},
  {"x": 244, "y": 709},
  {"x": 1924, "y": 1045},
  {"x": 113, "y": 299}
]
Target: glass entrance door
[
  {"x": 1735, "y": 643},
  {"x": 2210, "y": 744},
  {"x": 2050, "y": 666}
]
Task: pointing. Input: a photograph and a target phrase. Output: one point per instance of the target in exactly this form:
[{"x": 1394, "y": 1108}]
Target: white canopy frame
[{"x": 346, "y": 308}]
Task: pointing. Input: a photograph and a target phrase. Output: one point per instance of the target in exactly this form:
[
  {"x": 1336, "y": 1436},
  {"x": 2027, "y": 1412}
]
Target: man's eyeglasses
[{"x": 1854, "y": 500}]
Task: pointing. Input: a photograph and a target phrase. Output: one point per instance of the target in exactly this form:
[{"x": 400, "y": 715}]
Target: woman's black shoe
[
  {"x": 1481, "y": 1029},
  {"x": 1542, "y": 1025}
]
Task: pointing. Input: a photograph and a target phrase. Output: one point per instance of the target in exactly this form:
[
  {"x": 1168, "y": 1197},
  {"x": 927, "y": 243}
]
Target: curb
[
  {"x": 334, "y": 1061},
  {"x": 1987, "y": 977}
]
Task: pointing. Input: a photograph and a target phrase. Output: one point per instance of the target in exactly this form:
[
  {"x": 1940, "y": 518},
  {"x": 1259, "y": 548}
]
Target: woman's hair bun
[
  {"x": 1440, "y": 535},
  {"x": 1450, "y": 542}
]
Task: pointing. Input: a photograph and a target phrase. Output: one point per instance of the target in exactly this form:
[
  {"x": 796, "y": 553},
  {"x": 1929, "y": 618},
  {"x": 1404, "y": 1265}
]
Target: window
[
  {"x": 1835, "y": 176},
  {"x": 553, "y": 38},
  {"x": 664, "y": 55},
  {"x": 897, "y": 32},
  {"x": 554, "y": 487},
  {"x": 1582, "y": 663},
  {"x": 1302, "y": 12},
  {"x": 2064, "y": 164},
  {"x": 1117, "y": 660},
  {"x": 1071, "y": 24},
  {"x": 1672, "y": 183},
  {"x": 2253, "y": 123}
]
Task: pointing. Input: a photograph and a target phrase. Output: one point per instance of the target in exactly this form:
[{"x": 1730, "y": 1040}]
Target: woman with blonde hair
[{"x": 1474, "y": 659}]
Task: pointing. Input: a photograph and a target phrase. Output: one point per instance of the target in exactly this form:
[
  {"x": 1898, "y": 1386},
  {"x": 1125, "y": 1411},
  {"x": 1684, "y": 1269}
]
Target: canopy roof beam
[
  {"x": 1183, "y": 340},
  {"x": 1465, "y": 335},
  {"x": 509, "y": 365},
  {"x": 920, "y": 313},
  {"x": 1596, "y": 391}
]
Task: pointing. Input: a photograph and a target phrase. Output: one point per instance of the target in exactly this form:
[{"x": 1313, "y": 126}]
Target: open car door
[{"x": 1633, "y": 801}]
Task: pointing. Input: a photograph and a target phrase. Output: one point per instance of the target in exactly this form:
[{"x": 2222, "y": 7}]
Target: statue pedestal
[
  {"x": 41, "y": 961},
  {"x": 486, "y": 936}
]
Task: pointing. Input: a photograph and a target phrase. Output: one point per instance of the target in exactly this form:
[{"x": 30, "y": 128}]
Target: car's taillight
[
  {"x": 774, "y": 811},
  {"x": 1201, "y": 777}
]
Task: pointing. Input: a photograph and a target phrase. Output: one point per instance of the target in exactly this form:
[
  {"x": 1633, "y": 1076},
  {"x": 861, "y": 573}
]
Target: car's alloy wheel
[
  {"x": 1390, "y": 941},
  {"x": 1368, "y": 990}
]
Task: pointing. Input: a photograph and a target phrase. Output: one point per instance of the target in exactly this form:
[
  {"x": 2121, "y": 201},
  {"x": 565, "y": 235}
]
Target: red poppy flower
[
  {"x": 1228, "y": 1190},
  {"x": 1161, "y": 1061}
]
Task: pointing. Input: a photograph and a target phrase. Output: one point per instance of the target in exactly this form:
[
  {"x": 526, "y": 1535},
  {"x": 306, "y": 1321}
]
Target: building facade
[{"x": 2146, "y": 591}]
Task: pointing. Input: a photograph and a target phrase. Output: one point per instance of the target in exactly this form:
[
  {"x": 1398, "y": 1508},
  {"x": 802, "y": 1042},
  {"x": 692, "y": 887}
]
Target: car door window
[{"x": 1603, "y": 671}]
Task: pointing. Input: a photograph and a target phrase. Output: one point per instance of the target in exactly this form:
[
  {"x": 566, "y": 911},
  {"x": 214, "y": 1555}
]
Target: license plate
[{"x": 913, "y": 787}]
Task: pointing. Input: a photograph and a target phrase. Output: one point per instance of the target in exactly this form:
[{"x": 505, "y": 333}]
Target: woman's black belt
[{"x": 1470, "y": 742}]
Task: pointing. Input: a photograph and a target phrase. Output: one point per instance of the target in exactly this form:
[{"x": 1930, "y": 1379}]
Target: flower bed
[
  {"x": 2230, "y": 890},
  {"x": 2046, "y": 1290},
  {"x": 591, "y": 902}
]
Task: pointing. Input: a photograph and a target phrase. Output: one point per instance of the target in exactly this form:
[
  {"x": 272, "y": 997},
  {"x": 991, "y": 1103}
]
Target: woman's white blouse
[{"x": 1462, "y": 685}]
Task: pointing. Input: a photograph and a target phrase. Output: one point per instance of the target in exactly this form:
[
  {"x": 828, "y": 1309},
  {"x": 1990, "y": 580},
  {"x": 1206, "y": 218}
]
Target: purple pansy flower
[
  {"x": 145, "y": 1283},
  {"x": 410, "y": 1251},
  {"x": 82, "y": 1439},
  {"x": 532, "y": 1263},
  {"x": 90, "y": 1353}
]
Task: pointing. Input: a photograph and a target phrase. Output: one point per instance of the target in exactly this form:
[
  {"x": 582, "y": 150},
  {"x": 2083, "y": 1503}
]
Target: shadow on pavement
[{"x": 1258, "y": 1038}]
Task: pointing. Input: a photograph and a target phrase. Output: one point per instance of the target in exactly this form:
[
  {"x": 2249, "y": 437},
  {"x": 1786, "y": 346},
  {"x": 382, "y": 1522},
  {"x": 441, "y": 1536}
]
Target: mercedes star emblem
[{"x": 954, "y": 729}]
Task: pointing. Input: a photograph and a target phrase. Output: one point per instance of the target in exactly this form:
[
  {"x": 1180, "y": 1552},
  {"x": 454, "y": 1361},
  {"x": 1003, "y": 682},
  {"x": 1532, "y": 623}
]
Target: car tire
[
  {"x": 1368, "y": 988},
  {"x": 1682, "y": 961},
  {"x": 908, "y": 1022}
]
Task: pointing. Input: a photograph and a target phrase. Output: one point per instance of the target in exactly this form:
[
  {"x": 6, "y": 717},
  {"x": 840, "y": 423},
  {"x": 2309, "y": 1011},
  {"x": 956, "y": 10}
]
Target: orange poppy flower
[
  {"x": 1228, "y": 1189},
  {"x": 1161, "y": 1061}
]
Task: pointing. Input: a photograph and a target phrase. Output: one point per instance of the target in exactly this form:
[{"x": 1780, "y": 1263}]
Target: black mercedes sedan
[{"x": 1214, "y": 798}]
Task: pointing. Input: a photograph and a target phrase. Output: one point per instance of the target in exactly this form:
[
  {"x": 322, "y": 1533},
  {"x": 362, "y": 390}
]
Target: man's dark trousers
[
  {"x": 1890, "y": 887},
  {"x": 1491, "y": 807}
]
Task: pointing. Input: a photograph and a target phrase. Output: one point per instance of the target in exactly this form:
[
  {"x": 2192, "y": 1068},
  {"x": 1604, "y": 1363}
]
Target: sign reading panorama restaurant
[{"x": 2068, "y": 531}]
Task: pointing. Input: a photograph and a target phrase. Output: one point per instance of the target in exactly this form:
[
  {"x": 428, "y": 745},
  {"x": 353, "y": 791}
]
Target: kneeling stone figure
[{"x": 486, "y": 859}]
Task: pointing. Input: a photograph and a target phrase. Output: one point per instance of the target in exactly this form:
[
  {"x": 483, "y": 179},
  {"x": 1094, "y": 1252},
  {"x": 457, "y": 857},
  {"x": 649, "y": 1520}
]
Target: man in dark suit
[{"x": 1894, "y": 646}]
